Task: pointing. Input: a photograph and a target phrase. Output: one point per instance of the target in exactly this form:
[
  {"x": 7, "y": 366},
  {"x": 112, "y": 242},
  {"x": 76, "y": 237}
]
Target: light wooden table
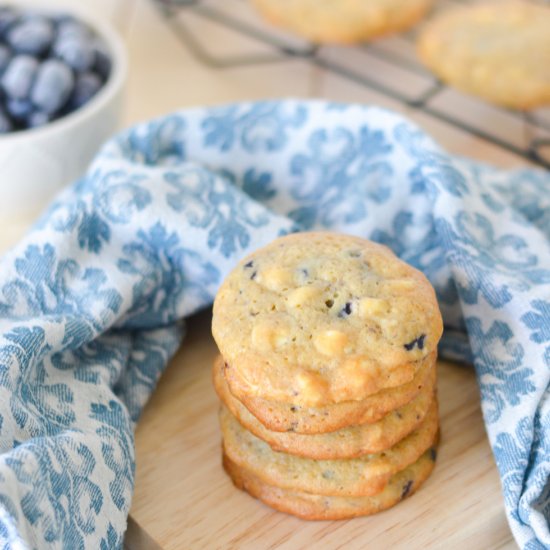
[{"x": 183, "y": 500}]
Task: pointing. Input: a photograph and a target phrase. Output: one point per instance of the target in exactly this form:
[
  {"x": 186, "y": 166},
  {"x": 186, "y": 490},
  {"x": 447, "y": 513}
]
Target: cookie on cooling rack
[
  {"x": 344, "y": 21},
  {"x": 499, "y": 51},
  {"x": 320, "y": 318}
]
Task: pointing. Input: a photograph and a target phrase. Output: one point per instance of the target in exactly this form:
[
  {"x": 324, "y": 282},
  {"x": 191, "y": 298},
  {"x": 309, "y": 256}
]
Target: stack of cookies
[{"x": 327, "y": 375}]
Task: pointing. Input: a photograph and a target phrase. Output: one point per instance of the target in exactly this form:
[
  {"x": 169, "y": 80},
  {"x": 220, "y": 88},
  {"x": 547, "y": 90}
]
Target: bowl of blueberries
[{"x": 62, "y": 77}]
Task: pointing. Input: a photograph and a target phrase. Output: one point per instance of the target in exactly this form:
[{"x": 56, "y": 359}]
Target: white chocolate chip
[
  {"x": 331, "y": 342},
  {"x": 276, "y": 278},
  {"x": 267, "y": 337},
  {"x": 302, "y": 296},
  {"x": 400, "y": 284},
  {"x": 311, "y": 386},
  {"x": 372, "y": 307}
]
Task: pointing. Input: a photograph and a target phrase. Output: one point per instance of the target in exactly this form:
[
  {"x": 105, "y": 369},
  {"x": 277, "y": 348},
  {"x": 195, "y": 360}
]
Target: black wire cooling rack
[{"x": 378, "y": 66}]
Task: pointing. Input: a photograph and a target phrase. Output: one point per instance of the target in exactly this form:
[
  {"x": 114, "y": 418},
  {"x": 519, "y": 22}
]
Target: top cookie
[
  {"x": 498, "y": 50},
  {"x": 343, "y": 21},
  {"x": 319, "y": 318}
]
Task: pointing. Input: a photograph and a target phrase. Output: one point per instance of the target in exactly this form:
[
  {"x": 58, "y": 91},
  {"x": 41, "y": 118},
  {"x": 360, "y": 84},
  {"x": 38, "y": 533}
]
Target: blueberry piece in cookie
[
  {"x": 406, "y": 488},
  {"x": 417, "y": 342},
  {"x": 346, "y": 310}
]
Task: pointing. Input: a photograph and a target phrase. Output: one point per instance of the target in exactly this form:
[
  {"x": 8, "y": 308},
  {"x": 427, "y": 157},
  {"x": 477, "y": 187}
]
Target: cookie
[
  {"x": 320, "y": 318},
  {"x": 343, "y": 21},
  {"x": 363, "y": 476},
  {"x": 348, "y": 442},
  {"x": 284, "y": 417},
  {"x": 320, "y": 507},
  {"x": 499, "y": 51}
]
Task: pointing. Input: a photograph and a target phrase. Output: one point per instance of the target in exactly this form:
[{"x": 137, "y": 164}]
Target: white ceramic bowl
[{"x": 36, "y": 163}]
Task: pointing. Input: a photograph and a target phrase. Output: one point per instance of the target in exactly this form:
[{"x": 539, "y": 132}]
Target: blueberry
[
  {"x": 53, "y": 86},
  {"x": 76, "y": 52},
  {"x": 38, "y": 118},
  {"x": 85, "y": 87},
  {"x": 102, "y": 60},
  {"x": 49, "y": 66},
  {"x": 8, "y": 17},
  {"x": 19, "y": 109},
  {"x": 5, "y": 56},
  {"x": 19, "y": 76},
  {"x": 33, "y": 36},
  {"x": 5, "y": 123},
  {"x": 69, "y": 27},
  {"x": 62, "y": 18}
]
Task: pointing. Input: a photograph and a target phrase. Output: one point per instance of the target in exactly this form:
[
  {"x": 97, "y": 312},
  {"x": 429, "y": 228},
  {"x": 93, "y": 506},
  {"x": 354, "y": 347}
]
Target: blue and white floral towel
[{"x": 92, "y": 301}]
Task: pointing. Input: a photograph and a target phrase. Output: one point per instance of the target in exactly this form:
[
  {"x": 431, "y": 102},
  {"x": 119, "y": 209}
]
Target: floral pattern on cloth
[{"x": 93, "y": 300}]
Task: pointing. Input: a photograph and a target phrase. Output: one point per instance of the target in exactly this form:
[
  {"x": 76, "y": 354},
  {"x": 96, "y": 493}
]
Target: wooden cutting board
[{"x": 184, "y": 500}]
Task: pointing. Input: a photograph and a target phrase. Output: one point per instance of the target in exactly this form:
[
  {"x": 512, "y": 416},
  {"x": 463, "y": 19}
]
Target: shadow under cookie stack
[{"x": 327, "y": 376}]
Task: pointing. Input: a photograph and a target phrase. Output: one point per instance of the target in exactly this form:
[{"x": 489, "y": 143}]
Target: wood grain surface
[{"x": 184, "y": 500}]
